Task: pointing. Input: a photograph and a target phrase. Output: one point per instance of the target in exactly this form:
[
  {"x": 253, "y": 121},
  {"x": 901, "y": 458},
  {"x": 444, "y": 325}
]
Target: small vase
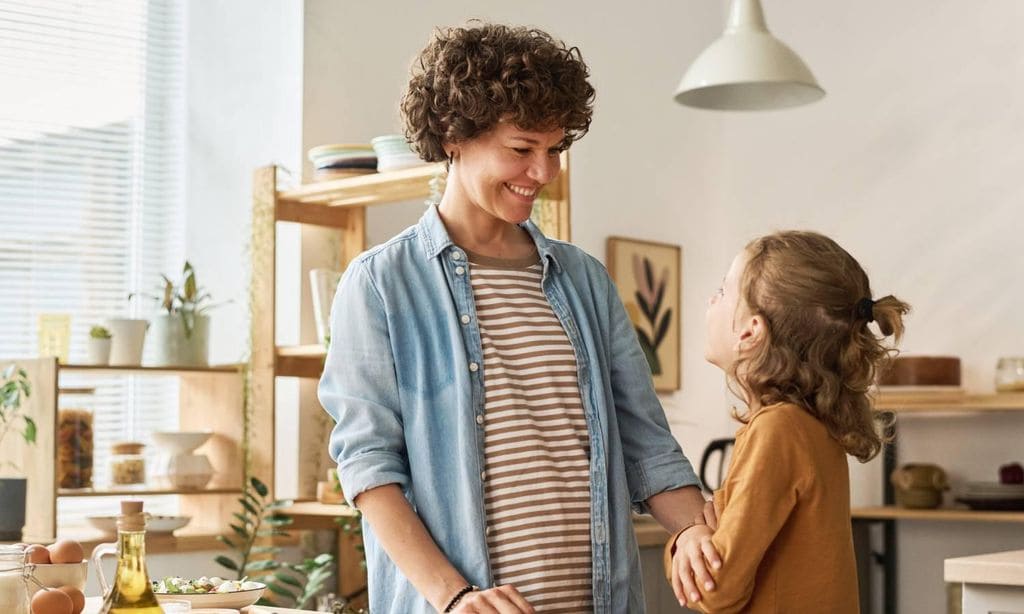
[
  {"x": 98, "y": 351},
  {"x": 128, "y": 337}
]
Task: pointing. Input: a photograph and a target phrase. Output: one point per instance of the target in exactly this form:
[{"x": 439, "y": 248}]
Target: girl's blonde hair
[{"x": 819, "y": 352}]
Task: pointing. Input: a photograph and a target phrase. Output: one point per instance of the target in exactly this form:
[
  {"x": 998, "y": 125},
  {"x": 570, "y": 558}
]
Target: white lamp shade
[{"x": 747, "y": 69}]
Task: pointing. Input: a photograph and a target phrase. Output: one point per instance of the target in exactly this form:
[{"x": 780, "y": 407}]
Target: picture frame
[{"x": 648, "y": 276}]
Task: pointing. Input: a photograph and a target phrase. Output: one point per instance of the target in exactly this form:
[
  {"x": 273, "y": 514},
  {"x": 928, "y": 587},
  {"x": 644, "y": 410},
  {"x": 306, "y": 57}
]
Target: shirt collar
[{"x": 436, "y": 240}]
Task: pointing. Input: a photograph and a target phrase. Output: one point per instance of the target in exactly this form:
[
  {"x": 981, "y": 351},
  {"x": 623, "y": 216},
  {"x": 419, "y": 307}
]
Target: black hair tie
[{"x": 866, "y": 309}]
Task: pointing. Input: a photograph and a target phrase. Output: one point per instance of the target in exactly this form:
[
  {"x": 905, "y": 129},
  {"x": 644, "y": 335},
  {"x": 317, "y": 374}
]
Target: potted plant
[
  {"x": 180, "y": 333},
  {"x": 13, "y": 391},
  {"x": 99, "y": 345}
]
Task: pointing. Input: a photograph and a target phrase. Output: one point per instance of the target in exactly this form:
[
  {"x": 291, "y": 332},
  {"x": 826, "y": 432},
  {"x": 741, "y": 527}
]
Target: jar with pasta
[
  {"x": 74, "y": 448},
  {"x": 127, "y": 464}
]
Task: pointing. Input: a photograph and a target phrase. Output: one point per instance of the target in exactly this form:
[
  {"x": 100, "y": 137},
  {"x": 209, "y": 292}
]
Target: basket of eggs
[{"x": 57, "y": 577}]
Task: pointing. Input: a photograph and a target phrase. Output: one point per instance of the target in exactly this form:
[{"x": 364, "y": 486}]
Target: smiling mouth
[{"x": 521, "y": 191}]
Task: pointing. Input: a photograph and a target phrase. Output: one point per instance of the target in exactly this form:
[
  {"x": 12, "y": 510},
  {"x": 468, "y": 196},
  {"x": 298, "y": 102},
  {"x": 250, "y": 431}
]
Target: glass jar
[
  {"x": 74, "y": 448},
  {"x": 127, "y": 465},
  {"x": 1010, "y": 374},
  {"x": 13, "y": 590}
]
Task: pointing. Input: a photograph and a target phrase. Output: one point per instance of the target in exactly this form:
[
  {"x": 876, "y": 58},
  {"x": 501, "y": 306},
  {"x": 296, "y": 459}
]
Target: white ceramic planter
[
  {"x": 173, "y": 348},
  {"x": 127, "y": 340},
  {"x": 98, "y": 351}
]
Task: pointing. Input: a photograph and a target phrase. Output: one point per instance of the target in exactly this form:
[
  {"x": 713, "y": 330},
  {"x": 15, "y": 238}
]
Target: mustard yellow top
[{"x": 784, "y": 520}]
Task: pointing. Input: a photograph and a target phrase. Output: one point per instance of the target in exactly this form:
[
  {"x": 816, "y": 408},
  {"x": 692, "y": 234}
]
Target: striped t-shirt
[{"x": 536, "y": 444}]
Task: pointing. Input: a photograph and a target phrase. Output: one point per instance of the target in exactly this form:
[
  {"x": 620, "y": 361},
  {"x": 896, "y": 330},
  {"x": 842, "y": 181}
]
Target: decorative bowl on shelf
[
  {"x": 154, "y": 524},
  {"x": 180, "y": 442}
]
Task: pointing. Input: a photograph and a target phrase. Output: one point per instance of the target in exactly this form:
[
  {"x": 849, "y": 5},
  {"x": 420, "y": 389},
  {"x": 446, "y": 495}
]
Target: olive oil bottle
[{"x": 132, "y": 592}]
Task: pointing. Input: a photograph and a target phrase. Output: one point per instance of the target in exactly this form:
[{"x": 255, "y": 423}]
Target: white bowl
[
  {"x": 154, "y": 524},
  {"x": 236, "y": 600},
  {"x": 180, "y": 442},
  {"x": 56, "y": 575}
]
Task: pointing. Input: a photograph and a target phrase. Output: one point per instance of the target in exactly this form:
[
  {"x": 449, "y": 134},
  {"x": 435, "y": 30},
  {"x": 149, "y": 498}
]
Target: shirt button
[
  {"x": 480, "y": 419},
  {"x": 483, "y": 475},
  {"x": 464, "y": 319},
  {"x": 474, "y": 367},
  {"x": 487, "y": 531},
  {"x": 456, "y": 255},
  {"x": 459, "y": 270}
]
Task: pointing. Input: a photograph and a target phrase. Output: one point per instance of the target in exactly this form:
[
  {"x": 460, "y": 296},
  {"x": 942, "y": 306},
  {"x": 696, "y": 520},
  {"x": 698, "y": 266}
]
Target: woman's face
[{"x": 503, "y": 170}]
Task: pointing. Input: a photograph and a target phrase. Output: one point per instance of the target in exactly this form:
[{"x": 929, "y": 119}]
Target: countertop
[{"x": 1003, "y": 568}]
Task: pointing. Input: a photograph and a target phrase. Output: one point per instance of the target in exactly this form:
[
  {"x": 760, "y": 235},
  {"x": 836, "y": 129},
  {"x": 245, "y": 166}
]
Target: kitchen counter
[
  {"x": 992, "y": 582},
  {"x": 92, "y": 606}
]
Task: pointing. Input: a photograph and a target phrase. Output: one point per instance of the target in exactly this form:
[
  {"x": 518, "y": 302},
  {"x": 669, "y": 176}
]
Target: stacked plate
[
  {"x": 342, "y": 160},
  {"x": 393, "y": 153},
  {"x": 993, "y": 496}
]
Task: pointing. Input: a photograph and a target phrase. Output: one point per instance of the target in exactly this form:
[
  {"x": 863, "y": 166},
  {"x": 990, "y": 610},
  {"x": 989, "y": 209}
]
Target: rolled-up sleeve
[
  {"x": 359, "y": 389},
  {"x": 654, "y": 461}
]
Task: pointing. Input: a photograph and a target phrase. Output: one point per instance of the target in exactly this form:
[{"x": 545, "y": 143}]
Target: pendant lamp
[{"x": 747, "y": 69}]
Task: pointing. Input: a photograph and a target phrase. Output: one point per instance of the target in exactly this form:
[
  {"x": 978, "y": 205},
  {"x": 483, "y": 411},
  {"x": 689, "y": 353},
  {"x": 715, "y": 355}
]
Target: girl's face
[
  {"x": 503, "y": 170},
  {"x": 729, "y": 323}
]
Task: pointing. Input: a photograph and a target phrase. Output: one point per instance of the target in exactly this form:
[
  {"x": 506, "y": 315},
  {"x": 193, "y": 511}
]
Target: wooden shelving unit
[
  {"x": 931, "y": 405},
  {"x": 340, "y": 205},
  {"x": 944, "y": 402},
  {"x": 891, "y": 512},
  {"x": 209, "y": 399}
]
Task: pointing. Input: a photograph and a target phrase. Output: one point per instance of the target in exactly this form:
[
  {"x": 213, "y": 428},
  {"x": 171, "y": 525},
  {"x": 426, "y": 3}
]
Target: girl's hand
[
  {"x": 694, "y": 551},
  {"x": 499, "y": 600}
]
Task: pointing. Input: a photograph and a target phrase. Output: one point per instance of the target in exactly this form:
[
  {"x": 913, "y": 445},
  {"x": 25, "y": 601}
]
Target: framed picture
[{"x": 649, "y": 278}]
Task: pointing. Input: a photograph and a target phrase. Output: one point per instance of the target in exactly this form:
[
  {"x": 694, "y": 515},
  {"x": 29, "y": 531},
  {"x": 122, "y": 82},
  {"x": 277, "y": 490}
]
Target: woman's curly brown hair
[
  {"x": 820, "y": 352},
  {"x": 469, "y": 78}
]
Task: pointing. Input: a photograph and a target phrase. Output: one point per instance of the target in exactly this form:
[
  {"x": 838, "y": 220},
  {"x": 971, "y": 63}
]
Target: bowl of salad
[{"x": 209, "y": 592}]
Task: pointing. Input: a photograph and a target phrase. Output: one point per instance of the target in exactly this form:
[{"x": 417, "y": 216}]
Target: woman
[{"x": 495, "y": 413}]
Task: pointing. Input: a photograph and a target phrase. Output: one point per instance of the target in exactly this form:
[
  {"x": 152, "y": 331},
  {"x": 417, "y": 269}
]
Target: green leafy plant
[
  {"x": 15, "y": 389},
  {"x": 259, "y": 521},
  {"x": 185, "y": 298},
  {"x": 99, "y": 332},
  {"x": 299, "y": 583}
]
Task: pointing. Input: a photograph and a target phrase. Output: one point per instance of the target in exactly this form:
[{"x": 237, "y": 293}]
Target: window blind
[{"x": 91, "y": 168}]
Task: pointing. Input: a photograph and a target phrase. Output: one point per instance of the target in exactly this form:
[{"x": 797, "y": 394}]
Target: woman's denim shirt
[{"x": 404, "y": 380}]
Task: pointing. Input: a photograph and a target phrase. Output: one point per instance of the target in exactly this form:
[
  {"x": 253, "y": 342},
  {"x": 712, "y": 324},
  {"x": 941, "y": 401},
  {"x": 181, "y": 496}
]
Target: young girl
[{"x": 790, "y": 327}]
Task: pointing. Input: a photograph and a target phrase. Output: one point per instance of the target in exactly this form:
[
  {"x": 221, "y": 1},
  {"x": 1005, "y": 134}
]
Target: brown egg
[
  {"x": 37, "y": 554},
  {"x": 51, "y": 602},
  {"x": 66, "y": 551},
  {"x": 77, "y": 598}
]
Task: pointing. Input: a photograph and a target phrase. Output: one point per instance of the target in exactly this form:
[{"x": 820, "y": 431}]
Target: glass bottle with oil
[{"x": 132, "y": 592}]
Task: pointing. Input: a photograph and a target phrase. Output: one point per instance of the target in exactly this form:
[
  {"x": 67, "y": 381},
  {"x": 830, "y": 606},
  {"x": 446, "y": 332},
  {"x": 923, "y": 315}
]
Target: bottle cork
[{"x": 132, "y": 517}]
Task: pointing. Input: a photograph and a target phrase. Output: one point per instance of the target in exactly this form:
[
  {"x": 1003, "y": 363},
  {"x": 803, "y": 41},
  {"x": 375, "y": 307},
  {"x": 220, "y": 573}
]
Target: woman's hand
[
  {"x": 710, "y": 516},
  {"x": 694, "y": 551},
  {"x": 499, "y": 600}
]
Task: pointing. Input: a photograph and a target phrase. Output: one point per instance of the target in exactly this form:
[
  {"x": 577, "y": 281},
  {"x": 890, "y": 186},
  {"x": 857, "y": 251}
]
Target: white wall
[{"x": 911, "y": 162}]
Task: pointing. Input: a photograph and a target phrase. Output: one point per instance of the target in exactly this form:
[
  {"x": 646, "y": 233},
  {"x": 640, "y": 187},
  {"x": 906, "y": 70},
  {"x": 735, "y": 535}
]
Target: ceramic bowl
[
  {"x": 154, "y": 524},
  {"x": 56, "y": 575},
  {"x": 180, "y": 442}
]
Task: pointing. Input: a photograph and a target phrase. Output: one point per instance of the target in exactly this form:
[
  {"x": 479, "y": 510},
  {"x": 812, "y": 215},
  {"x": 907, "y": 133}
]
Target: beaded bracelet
[{"x": 469, "y": 588}]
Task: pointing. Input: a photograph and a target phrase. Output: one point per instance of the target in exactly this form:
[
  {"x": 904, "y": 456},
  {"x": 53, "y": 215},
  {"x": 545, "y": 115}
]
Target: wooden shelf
[
  {"x": 145, "y": 370},
  {"x": 300, "y": 360},
  {"x": 364, "y": 190},
  {"x": 937, "y": 515},
  {"x": 942, "y": 402},
  {"x": 313, "y": 515},
  {"x": 141, "y": 492}
]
